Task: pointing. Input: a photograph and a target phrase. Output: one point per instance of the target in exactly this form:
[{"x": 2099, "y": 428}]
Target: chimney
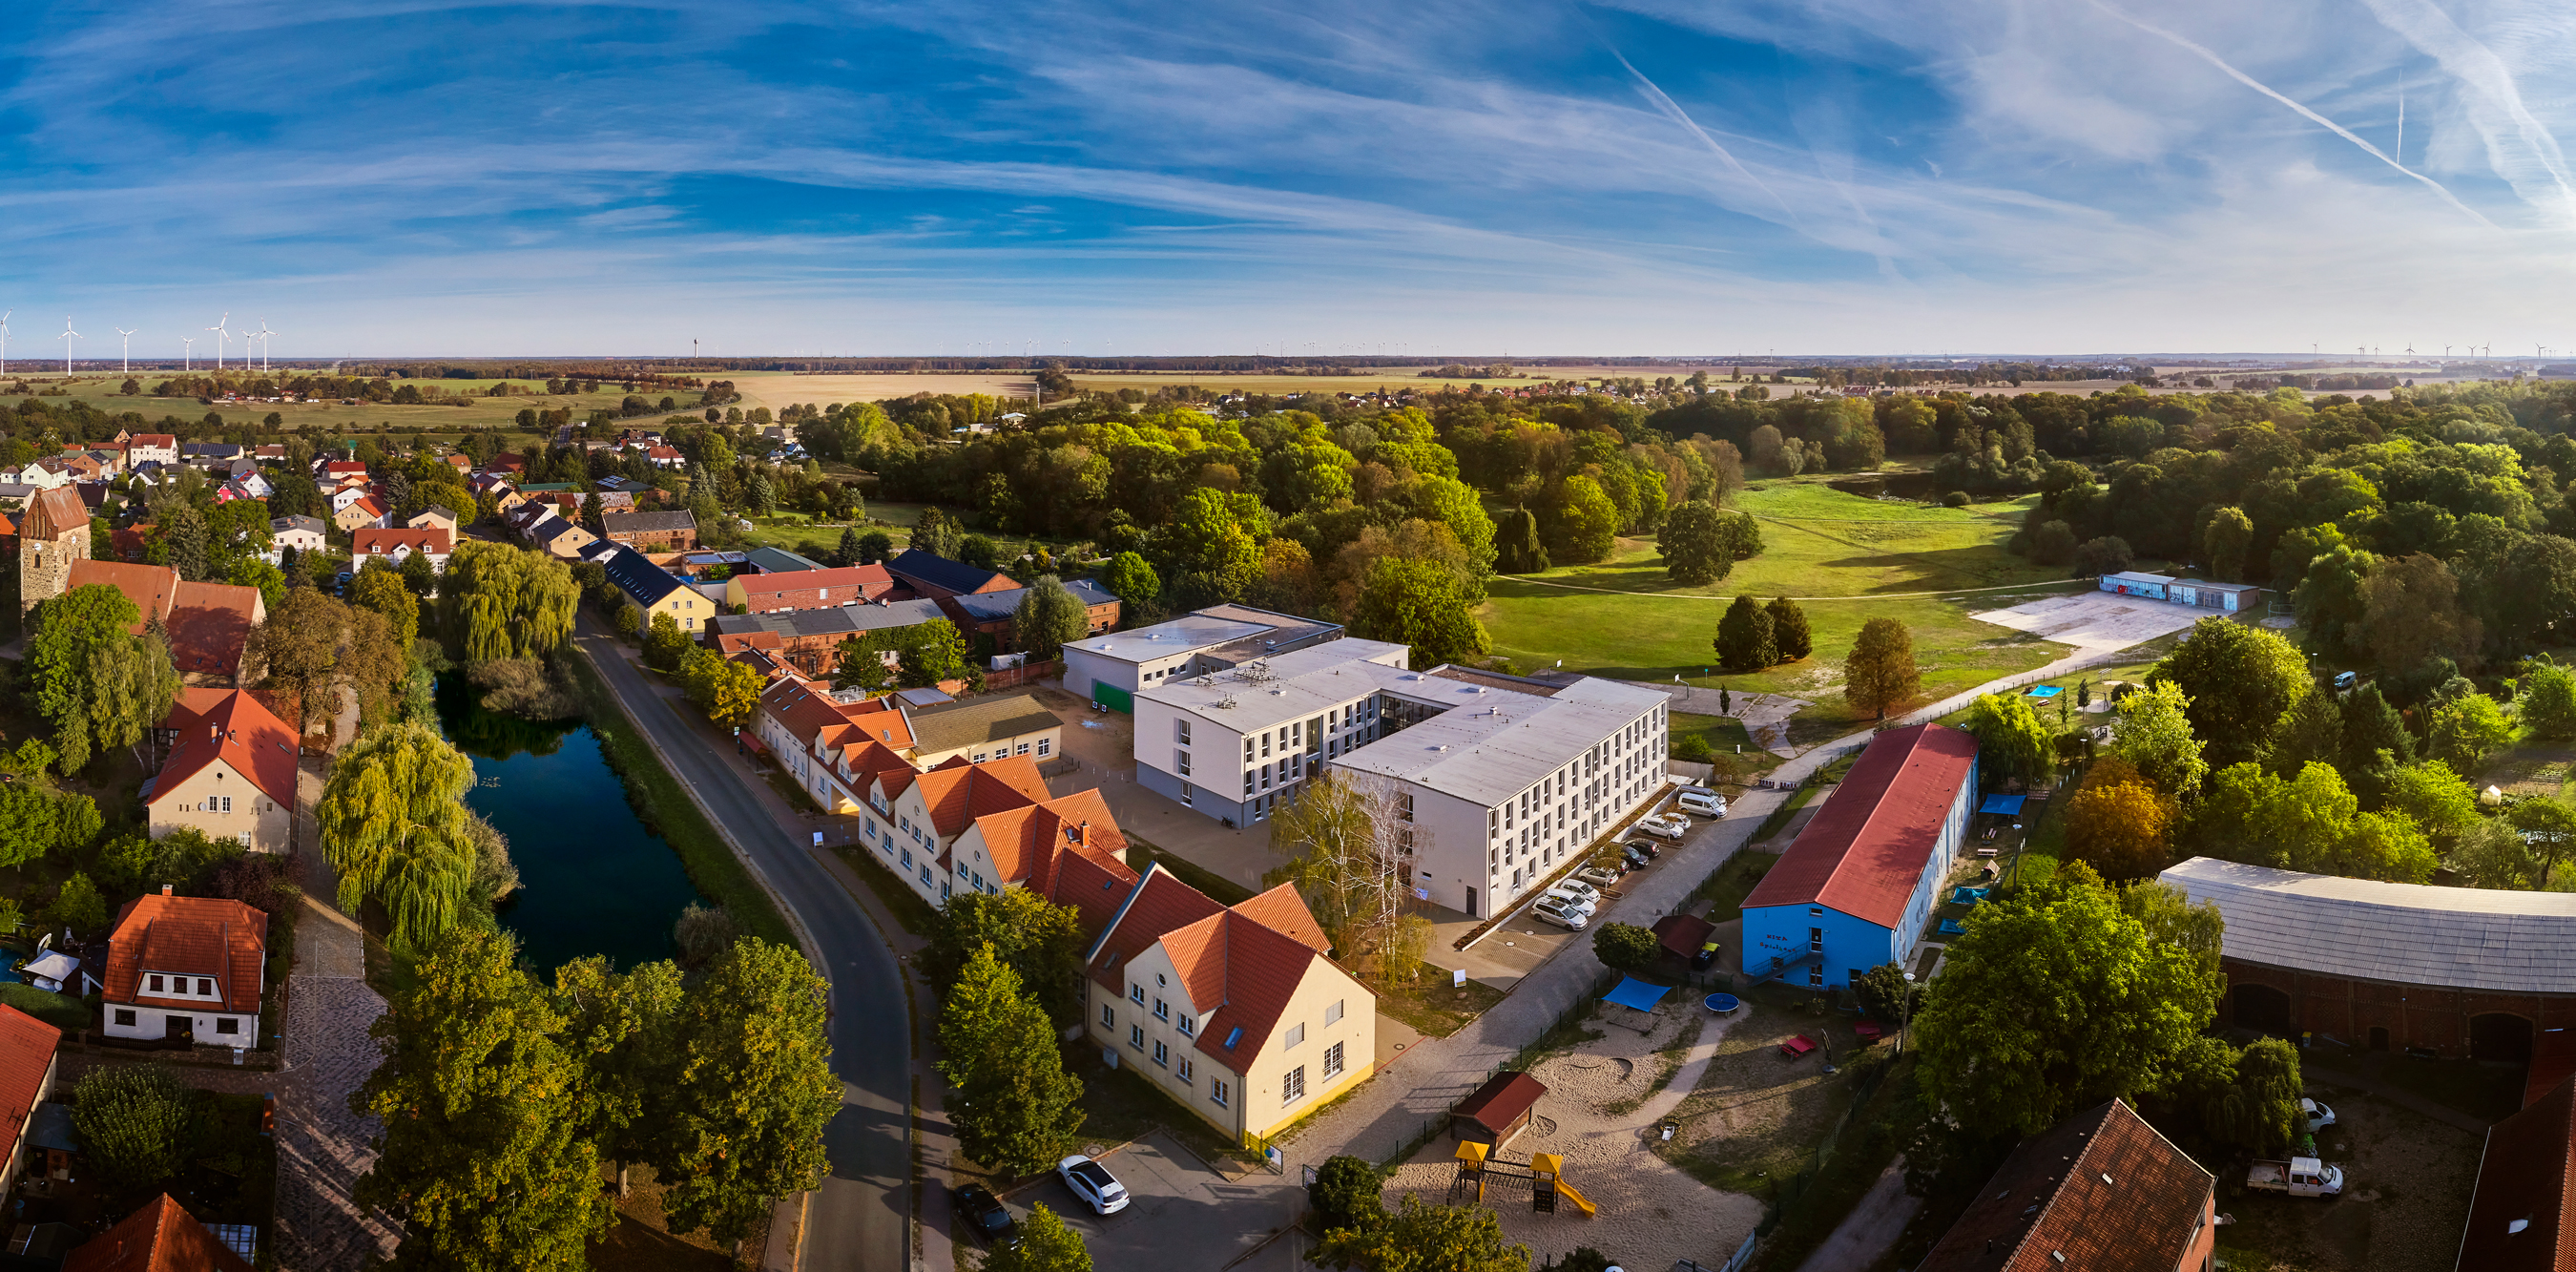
[{"x": 165, "y": 889}]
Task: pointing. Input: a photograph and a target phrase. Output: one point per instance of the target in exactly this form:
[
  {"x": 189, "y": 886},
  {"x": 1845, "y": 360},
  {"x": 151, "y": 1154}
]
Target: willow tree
[
  {"x": 98, "y": 682},
  {"x": 497, "y": 601},
  {"x": 393, "y": 822}
]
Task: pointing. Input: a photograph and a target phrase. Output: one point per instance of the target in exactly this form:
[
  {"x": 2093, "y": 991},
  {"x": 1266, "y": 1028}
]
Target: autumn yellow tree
[{"x": 2118, "y": 823}]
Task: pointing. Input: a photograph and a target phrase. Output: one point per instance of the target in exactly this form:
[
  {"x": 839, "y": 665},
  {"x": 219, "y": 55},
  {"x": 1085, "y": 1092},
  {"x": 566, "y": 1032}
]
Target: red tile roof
[
  {"x": 1028, "y": 844},
  {"x": 1867, "y": 848},
  {"x": 1160, "y": 903},
  {"x": 955, "y": 793},
  {"x": 150, "y": 587},
  {"x": 26, "y": 1053},
  {"x": 862, "y": 577},
  {"x": 54, "y": 512},
  {"x": 210, "y": 625},
  {"x": 149, "y": 441},
  {"x": 2529, "y": 1172},
  {"x": 2100, "y": 1191},
  {"x": 235, "y": 730},
  {"x": 161, "y": 1237},
  {"x": 370, "y": 541},
  {"x": 1241, "y": 965},
  {"x": 196, "y": 936}
]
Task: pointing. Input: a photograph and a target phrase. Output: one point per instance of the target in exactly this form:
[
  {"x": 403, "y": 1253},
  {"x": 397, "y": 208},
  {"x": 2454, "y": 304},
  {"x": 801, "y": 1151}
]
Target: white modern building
[
  {"x": 1109, "y": 669},
  {"x": 1234, "y": 743},
  {"x": 1504, "y": 778}
]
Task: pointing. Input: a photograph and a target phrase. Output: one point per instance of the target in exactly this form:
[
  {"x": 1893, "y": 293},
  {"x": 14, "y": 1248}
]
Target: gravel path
[{"x": 1651, "y": 1214}]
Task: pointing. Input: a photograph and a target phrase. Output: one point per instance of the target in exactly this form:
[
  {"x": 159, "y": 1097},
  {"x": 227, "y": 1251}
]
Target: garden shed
[
  {"x": 1681, "y": 935},
  {"x": 1498, "y": 1110}
]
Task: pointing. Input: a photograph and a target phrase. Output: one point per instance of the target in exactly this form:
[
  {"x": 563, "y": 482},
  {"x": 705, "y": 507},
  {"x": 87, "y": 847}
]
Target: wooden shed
[
  {"x": 1681, "y": 935},
  {"x": 1498, "y": 1110}
]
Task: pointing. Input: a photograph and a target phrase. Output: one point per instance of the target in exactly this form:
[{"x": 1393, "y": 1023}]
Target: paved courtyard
[{"x": 2096, "y": 622}]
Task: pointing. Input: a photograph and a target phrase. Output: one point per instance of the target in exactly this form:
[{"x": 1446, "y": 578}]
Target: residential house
[
  {"x": 209, "y": 623},
  {"x": 151, "y": 448},
  {"x": 657, "y": 591},
  {"x": 539, "y": 526},
  {"x": 506, "y": 462},
  {"x": 972, "y": 826},
  {"x": 35, "y": 473},
  {"x": 164, "y": 1237},
  {"x": 190, "y": 967},
  {"x": 332, "y": 472},
  {"x": 394, "y": 545},
  {"x": 272, "y": 453},
  {"x": 937, "y": 576},
  {"x": 434, "y": 516},
  {"x": 252, "y": 485},
  {"x": 1109, "y": 669},
  {"x": 664, "y": 457},
  {"x": 1857, "y": 886},
  {"x": 807, "y": 589},
  {"x": 26, "y": 1078},
  {"x": 360, "y": 513},
  {"x": 983, "y": 728},
  {"x": 302, "y": 533},
  {"x": 1238, "y": 1014},
  {"x": 651, "y": 531},
  {"x": 2100, "y": 1191},
  {"x": 810, "y": 640},
  {"x": 212, "y": 452},
  {"x": 230, "y": 772},
  {"x": 809, "y": 731},
  {"x": 991, "y": 614}
]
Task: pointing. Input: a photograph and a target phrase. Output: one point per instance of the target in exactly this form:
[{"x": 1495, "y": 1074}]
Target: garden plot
[
  {"x": 1600, "y": 1113},
  {"x": 2096, "y": 622}
]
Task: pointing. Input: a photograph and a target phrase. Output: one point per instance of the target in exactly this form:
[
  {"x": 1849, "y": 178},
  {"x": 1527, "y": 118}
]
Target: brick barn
[{"x": 2458, "y": 972}]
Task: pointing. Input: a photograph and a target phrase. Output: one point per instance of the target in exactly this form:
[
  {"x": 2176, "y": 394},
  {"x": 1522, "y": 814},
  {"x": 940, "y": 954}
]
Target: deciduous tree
[
  {"x": 134, "y": 1122},
  {"x": 2117, "y": 823},
  {"x": 751, "y": 1089},
  {"x": 497, "y": 601},
  {"x": 1789, "y": 629},
  {"x": 1421, "y": 1237},
  {"x": 2411, "y": 612},
  {"x": 2545, "y": 699},
  {"x": 2463, "y": 731},
  {"x": 1880, "y": 673},
  {"x": 2155, "y": 735},
  {"x": 1745, "y": 640},
  {"x": 1048, "y": 618},
  {"x": 1697, "y": 547},
  {"x": 1422, "y": 605},
  {"x": 2012, "y": 744},
  {"x": 97, "y": 683},
  {"x": 1625, "y": 947},
  {"x": 1016, "y": 1108},
  {"x": 2239, "y": 679},
  {"x": 393, "y": 822},
  {"x": 1037, "y": 938}
]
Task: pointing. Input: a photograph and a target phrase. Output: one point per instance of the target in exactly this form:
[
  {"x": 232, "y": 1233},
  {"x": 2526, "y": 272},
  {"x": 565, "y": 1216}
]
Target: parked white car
[
  {"x": 2319, "y": 1116},
  {"x": 1579, "y": 890},
  {"x": 1704, "y": 803},
  {"x": 1571, "y": 901},
  {"x": 1550, "y": 911},
  {"x": 1092, "y": 1182},
  {"x": 1664, "y": 826},
  {"x": 1598, "y": 876}
]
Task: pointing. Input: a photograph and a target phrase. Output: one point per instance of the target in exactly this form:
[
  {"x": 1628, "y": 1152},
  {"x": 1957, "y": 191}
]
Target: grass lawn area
[
  {"x": 1729, "y": 884},
  {"x": 1799, "y": 498},
  {"x": 1732, "y": 750},
  {"x": 58, "y": 1010},
  {"x": 1434, "y": 1008}
]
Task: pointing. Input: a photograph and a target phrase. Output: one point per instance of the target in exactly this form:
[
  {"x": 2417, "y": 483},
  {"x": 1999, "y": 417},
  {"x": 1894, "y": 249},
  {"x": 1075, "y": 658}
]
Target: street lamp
[{"x": 1905, "y": 1014}]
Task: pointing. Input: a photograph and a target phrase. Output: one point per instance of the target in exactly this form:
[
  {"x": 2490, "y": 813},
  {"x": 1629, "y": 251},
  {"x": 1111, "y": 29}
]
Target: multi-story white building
[
  {"x": 1111, "y": 669},
  {"x": 1504, "y": 779},
  {"x": 1235, "y": 743}
]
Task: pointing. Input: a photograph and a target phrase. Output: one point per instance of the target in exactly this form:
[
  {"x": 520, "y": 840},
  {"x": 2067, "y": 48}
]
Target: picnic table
[
  {"x": 1868, "y": 1031},
  {"x": 1797, "y": 1046}
]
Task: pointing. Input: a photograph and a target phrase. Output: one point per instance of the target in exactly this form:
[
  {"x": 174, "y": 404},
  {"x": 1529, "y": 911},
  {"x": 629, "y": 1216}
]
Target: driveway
[
  {"x": 861, "y": 1216},
  {"x": 1183, "y": 1215}
]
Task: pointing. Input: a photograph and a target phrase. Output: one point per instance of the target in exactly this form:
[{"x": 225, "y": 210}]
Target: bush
[
  {"x": 1693, "y": 748},
  {"x": 1346, "y": 1191},
  {"x": 1955, "y": 499},
  {"x": 2053, "y": 543},
  {"x": 1625, "y": 946},
  {"x": 2106, "y": 555},
  {"x": 134, "y": 1118}
]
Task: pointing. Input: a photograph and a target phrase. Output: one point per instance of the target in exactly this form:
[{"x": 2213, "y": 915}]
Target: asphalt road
[{"x": 860, "y": 1218}]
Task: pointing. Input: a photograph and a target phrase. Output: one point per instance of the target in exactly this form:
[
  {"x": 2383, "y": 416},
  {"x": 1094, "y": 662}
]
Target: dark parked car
[
  {"x": 986, "y": 1214},
  {"x": 1707, "y": 955}
]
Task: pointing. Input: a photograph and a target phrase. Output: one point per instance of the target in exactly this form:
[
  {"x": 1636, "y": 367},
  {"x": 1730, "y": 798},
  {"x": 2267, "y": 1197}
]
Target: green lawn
[{"x": 1803, "y": 499}]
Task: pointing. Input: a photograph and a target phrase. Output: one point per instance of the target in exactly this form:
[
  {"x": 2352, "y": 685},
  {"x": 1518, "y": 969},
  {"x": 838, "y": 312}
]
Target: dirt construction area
[
  {"x": 2407, "y": 1180},
  {"x": 2097, "y": 622},
  {"x": 1600, "y": 1114}
]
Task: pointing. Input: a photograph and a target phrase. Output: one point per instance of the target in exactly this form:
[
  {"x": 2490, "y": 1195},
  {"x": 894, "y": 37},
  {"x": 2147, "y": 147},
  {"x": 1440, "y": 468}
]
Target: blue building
[{"x": 1857, "y": 887}]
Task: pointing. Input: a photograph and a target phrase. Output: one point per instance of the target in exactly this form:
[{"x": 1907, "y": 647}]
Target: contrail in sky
[
  {"x": 1673, "y": 110},
  {"x": 2258, "y": 86}
]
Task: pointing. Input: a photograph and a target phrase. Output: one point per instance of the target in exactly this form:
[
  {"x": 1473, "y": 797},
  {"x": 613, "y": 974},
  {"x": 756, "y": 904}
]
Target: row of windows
[
  {"x": 223, "y": 1024},
  {"x": 1045, "y": 747}
]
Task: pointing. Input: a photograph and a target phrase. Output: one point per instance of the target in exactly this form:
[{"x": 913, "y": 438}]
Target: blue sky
[{"x": 1973, "y": 176}]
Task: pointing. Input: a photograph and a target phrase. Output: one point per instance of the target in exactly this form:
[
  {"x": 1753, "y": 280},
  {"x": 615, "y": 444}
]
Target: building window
[
  {"x": 1332, "y": 1059},
  {"x": 228, "y": 803},
  {"x": 1292, "y": 1086},
  {"x": 206, "y": 988},
  {"x": 1183, "y": 1073},
  {"x": 1816, "y": 940},
  {"x": 1181, "y": 732},
  {"x": 1181, "y": 763},
  {"x": 1216, "y": 1089},
  {"x": 1188, "y": 1026},
  {"x": 1162, "y": 1010},
  {"x": 1816, "y": 978},
  {"x": 1108, "y": 1016},
  {"x": 1247, "y": 783},
  {"x": 1333, "y": 1013},
  {"x": 907, "y": 859},
  {"x": 124, "y": 1017},
  {"x": 156, "y": 985},
  {"x": 1163, "y": 1054},
  {"x": 1044, "y": 746},
  {"x": 1296, "y": 1035},
  {"x": 1136, "y": 1036},
  {"x": 226, "y": 1024},
  {"x": 1137, "y": 992},
  {"x": 1021, "y": 749},
  {"x": 980, "y": 757}
]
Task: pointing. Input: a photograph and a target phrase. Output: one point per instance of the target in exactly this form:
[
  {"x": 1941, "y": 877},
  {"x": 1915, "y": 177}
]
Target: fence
[{"x": 1025, "y": 674}]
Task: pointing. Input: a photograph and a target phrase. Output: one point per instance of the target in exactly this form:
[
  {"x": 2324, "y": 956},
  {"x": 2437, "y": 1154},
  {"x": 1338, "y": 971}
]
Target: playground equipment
[{"x": 1545, "y": 1173}]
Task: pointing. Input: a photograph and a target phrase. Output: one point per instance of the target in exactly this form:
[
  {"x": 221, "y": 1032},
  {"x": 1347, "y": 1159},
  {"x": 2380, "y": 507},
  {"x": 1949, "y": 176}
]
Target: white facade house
[
  {"x": 193, "y": 967},
  {"x": 304, "y": 534},
  {"x": 1234, "y": 744}
]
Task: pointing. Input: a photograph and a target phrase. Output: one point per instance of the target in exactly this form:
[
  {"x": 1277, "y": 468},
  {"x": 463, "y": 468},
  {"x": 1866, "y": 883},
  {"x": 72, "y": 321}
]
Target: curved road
[{"x": 861, "y": 1217}]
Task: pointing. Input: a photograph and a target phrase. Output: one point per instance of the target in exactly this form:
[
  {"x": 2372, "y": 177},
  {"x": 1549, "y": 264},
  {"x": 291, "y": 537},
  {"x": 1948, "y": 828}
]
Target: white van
[{"x": 1704, "y": 803}]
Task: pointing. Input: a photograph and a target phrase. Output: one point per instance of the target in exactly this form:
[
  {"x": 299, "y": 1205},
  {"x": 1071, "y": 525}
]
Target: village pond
[{"x": 592, "y": 879}]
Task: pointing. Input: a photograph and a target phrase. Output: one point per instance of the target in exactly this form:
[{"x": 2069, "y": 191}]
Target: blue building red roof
[{"x": 1864, "y": 853}]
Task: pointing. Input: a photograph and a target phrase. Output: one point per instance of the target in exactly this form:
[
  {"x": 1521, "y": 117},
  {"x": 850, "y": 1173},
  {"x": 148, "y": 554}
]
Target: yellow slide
[{"x": 1566, "y": 1190}]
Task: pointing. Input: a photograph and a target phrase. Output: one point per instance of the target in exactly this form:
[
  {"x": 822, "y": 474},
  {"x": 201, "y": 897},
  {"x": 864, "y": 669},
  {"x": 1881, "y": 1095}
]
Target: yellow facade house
[
  {"x": 230, "y": 772},
  {"x": 1238, "y": 1014}
]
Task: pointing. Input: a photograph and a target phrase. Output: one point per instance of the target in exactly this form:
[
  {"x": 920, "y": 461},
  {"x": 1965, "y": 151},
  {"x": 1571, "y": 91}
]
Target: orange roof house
[
  {"x": 161, "y": 1237},
  {"x": 209, "y": 623},
  {"x": 26, "y": 1077},
  {"x": 2100, "y": 1191},
  {"x": 196, "y": 965}
]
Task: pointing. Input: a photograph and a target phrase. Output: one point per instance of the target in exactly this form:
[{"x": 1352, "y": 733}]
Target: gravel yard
[
  {"x": 1599, "y": 1115},
  {"x": 2407, "y": 1180}
]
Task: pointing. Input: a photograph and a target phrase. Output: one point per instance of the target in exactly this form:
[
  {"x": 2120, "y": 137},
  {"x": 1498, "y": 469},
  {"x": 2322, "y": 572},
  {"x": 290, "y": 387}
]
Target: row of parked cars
[
  {"x": 1572, "y": 903},
  {"x": 992, "y": 1223}
]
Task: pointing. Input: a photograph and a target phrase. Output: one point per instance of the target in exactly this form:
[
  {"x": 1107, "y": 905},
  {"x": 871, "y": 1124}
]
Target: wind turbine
[
  {"x": 220, "y": 333},
  {"x": 188, "y": 355},
  {"x": 129, "y": 348},
  {"x": 4, "y": 339},
  {"x": 262, "y": 334},
  {"x": 67, "y": 338}
]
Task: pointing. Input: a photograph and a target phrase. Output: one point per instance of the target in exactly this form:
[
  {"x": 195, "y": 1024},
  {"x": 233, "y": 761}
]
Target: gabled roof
[
  {"x": 26, "y": 1052},
  {"x": 2100, "y": 1191},
  {"x": 1867, "y": 848},
  {"x": 298, "y": 521},
  {"x": 210, "y": 625},
  {"x": 372, "y": 541},
  {"x": 1241, "y": 965},
  {"x": 2528, "y": 1173},
  {"x": 990, "y": 718},
  {"x": 646, "y": 522},
  {"x": 235, "y": 729},
  {"x": 2402, "y": 933},
  {"x": 53, "y": 513},
  {"x": 957, "y": 793},
  {"x": 197, "y": 936},
  {"x": 636, "y": 575},
  {"x": 161, "y": 1237},
  {"x": 940, "y": 572},
  {"x": 152, "y": 588},
  {"x": 861, "y": 577}
]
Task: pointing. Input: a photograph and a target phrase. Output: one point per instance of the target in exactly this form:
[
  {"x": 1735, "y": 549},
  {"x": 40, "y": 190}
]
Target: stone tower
[{"x": 52, "y": 534}]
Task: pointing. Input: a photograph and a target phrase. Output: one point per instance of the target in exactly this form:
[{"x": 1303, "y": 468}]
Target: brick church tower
[{"x": 52, "y": 534}]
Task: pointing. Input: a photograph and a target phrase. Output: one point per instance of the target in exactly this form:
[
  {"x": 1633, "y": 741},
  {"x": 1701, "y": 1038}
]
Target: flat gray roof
[
  {"x": 2403, "y": 933},
  {"x": 1490, "y": 744},
  {"x": 1184, "y": 635},
  {"x": 1289, "y": 686}
]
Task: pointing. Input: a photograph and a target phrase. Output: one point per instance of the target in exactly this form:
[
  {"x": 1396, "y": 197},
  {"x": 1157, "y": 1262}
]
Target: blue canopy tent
[
  {"x": 2005, "y": 805},
  {"x": 1639, "y": 995},
  {"x": 2046, "y": 691}
]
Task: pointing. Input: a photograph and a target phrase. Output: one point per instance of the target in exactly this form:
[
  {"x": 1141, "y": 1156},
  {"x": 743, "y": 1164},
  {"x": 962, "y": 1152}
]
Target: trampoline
[{"x": 1723, "y": 1004}]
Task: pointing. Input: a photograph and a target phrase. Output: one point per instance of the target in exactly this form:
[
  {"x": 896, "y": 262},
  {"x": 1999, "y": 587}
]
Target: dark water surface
[{"x": 592, "y": 879}]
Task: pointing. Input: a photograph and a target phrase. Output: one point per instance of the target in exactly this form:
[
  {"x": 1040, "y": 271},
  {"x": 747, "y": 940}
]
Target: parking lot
[
  {"x": 1183, "y": 1214},
  {"x": 1516, "y": 946},
  {"x": 2096, "y": 622}
]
